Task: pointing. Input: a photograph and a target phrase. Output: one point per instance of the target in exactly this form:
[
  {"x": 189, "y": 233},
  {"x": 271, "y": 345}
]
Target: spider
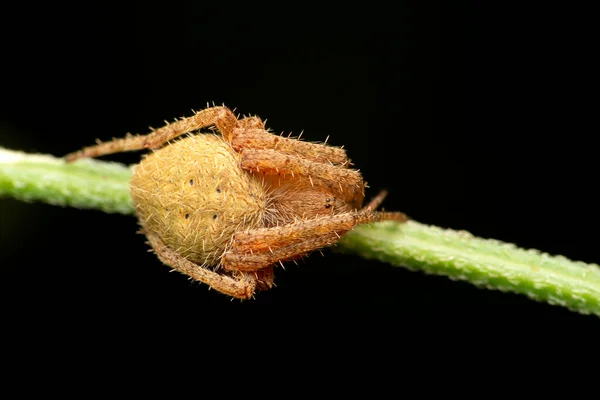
[{"x": 225, "y": 207}]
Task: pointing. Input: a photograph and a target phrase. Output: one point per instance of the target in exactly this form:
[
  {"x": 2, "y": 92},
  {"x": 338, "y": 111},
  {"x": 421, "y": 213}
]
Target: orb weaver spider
[{"x": 225, "y": 207}]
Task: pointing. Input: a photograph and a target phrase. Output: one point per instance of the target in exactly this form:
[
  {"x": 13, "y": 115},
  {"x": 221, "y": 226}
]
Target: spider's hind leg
[
  {"x": 240, "y": 287},
  {"x": 221, "y": 117}
]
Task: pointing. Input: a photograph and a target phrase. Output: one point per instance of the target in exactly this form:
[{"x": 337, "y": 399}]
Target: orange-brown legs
[
  {"x": 221, "y": 117},
  {"x": 261, "y": 139},
  {"x": 241, "y": 287},
  {"x": 376, "y": 201},
  {"x": 248, "y": 132},
  {"x": 274, "y": 162},
  {"x": 251, "y": 123},
  {"x": 237, "y": 261},
  {"x": 258, "y": 248},
  {"x": 265, "y": 278}
]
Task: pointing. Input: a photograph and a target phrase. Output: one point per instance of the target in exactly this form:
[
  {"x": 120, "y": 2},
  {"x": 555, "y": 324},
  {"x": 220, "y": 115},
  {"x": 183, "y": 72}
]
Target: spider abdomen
[{"x": 195, "y": 195}]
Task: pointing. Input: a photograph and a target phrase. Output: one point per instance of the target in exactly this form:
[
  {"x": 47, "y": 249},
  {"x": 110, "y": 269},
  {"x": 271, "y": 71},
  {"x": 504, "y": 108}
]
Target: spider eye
[{"x": 328, "y": 202}]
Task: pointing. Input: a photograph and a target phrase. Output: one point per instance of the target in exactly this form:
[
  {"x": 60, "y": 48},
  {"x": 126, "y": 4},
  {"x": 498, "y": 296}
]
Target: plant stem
[
  {"x": 487, "y": 263},
  {"x": 457, "y": 254},
  {"x": 87, "y": 183}
]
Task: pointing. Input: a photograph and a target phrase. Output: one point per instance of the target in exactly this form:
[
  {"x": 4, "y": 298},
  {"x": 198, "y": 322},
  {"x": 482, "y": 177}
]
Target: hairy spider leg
[
  {"x": 265, "y": 278},
  {"x": 316, "y": 152},
  {"x": 259, "y": 248},
  {"x": 240, "y": 287},
  {"x": 221, "y": 117},
  {"x": 349, "y": 182},
  {"x": 376, "y": 201}
]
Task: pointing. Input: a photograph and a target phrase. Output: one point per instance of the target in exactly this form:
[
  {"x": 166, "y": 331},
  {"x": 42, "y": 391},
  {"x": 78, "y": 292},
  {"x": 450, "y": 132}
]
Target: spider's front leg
[
  {"x": 273, "y": 162},
  {"x": 259, "y": 138},
  {"x": 221, "y": 117},
  {"x": 259, "y": 248}
]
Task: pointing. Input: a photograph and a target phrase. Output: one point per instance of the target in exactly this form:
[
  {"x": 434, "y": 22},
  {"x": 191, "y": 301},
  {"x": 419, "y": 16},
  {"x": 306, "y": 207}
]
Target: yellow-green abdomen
[{"x": 195, "y": 196}]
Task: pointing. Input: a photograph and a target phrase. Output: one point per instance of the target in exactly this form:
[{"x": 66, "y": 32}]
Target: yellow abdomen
[{"x": 195, "y": 196}]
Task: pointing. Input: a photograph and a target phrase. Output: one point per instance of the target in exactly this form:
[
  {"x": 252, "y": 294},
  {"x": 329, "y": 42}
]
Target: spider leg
[
  {"x": 258, "y": 248},
  {"x": 241, "y": 287},
  {"x": 265, "y": 278},
  {"x": 376, "y": 201},
  {"x": 251, "y": 123},
  {"x": 275, "y": 163},
  {"x": 316, "y": 152},
  {"x": 221, "y": 117}
]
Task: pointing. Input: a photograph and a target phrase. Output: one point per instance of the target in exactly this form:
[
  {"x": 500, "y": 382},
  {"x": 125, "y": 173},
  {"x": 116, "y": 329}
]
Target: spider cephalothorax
[{"x": 225, "y": 207}]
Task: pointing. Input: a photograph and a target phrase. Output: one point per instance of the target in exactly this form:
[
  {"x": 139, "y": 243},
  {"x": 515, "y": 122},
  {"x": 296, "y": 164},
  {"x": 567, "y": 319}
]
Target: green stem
[
  {"x": 87, "y": 183},
  {"x": 483, "y": 262}
]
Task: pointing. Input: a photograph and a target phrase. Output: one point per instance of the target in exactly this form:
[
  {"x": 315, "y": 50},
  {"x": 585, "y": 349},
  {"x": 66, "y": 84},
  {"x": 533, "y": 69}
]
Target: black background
[{"x": 474, "y": 118}]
